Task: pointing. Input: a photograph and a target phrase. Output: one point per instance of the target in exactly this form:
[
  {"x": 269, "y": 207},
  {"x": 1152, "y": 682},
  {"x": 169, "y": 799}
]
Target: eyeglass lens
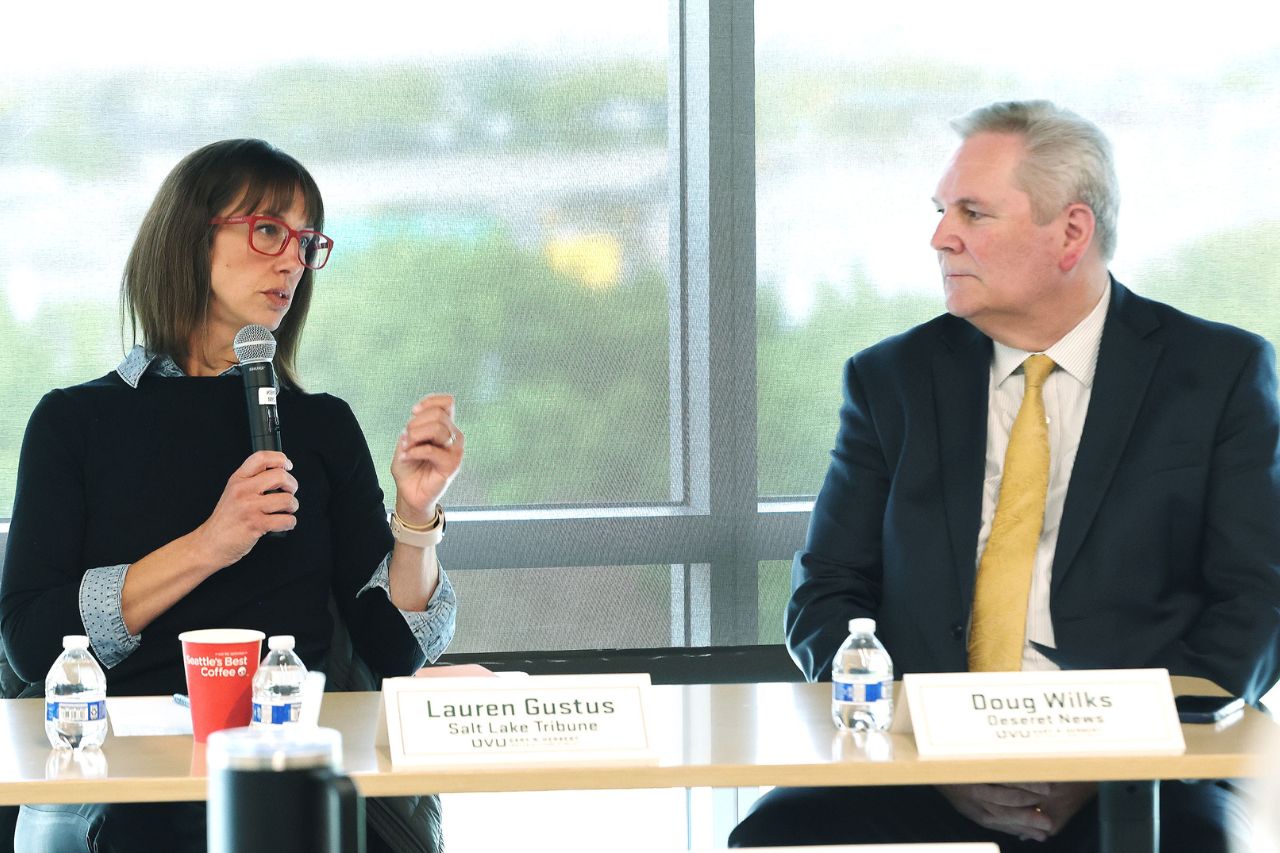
[{"x": 268, "y": 236}]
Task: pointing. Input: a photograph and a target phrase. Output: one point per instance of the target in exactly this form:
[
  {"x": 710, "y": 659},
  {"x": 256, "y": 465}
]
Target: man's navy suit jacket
[{"x": 1168, "y": 552}]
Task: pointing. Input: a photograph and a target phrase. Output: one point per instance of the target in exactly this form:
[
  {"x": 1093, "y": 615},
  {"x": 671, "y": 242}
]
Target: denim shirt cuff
[
  {"x": 103, "y": 616},
  {"x": 433, "y": 628}
]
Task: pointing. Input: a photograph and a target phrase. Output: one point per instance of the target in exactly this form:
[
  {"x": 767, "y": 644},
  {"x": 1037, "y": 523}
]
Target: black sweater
[{"x": 109, "y": 473}]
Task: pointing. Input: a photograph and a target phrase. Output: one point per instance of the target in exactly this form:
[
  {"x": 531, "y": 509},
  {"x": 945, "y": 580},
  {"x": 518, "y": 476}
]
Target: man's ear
[{"x": 1078, "y": 226}]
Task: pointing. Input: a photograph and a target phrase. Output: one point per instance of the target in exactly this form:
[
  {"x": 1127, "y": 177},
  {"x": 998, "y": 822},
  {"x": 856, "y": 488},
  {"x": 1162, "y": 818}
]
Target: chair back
[{"x": 10, "y": 687}]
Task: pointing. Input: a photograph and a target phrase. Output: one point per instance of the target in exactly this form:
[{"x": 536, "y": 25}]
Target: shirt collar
[
  {"x": 1076, "y": 353},
  {"x": 140, "y": 362}
]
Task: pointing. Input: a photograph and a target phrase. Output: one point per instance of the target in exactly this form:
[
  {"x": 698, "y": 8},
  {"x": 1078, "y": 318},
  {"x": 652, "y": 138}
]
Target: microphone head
[{"x": 254, "y": 344}]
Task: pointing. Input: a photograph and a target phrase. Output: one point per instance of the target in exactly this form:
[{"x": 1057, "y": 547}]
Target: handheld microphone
[{"x": 255, "y": 348}]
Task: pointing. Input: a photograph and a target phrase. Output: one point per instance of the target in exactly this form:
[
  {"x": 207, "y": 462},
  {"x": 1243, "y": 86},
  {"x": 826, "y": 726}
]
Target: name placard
[
  {"x": 539, "y": 719},
  {"x": 1076, "y": 712}
]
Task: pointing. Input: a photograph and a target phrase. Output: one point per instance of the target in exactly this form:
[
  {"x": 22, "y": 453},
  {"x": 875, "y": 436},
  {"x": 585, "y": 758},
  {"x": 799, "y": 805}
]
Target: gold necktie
[{"x": 999, "y": 624}]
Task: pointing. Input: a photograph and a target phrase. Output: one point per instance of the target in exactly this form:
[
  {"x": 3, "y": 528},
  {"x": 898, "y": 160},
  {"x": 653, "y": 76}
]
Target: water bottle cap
[
  {"x": 75, "y": 641},
  {"x": 862, "y": 625},
  {"x": 280, "y": 643}
]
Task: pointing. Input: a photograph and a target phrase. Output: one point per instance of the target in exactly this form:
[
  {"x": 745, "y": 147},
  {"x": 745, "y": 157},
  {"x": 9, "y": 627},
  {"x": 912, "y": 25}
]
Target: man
[{"x": 1146, "y": 533}]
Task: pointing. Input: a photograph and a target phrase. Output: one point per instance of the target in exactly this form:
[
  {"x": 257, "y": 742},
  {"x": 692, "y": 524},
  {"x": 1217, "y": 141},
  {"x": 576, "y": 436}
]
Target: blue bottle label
[
  {"x": 75, "y": 712},
  {"x": 287, "y": 712},
  {"x": 860, "y": 691}
]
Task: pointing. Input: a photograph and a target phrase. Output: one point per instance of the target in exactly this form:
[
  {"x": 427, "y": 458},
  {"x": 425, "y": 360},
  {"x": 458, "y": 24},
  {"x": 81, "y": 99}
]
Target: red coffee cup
[{"x": 220, "y": 664}]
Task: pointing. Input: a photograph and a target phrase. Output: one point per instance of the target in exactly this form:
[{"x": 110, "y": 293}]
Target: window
[{"x": 852, "y": 134}]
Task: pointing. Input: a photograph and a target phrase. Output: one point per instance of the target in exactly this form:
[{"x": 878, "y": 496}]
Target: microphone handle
[{"x": 264, "y": 417}]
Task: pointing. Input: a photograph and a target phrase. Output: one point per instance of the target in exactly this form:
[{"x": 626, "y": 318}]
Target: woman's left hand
[{"x": 427, "y": 457}]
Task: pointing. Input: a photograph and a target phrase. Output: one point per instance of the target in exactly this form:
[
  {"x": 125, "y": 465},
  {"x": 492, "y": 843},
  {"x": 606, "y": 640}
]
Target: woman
[{"x": 140, "y": 511}]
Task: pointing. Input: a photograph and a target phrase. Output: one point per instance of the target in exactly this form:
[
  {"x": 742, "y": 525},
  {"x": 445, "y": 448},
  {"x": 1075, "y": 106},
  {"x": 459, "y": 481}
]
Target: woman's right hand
[{"x": 258, "y": 499}]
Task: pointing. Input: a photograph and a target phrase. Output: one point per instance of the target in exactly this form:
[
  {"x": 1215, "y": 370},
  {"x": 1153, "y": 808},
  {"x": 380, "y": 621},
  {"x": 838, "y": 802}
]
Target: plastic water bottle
[
  {"x": 75, "y": 698},
  {"x": 862, "y": 681},
  {"x": 277, "y": 685}
]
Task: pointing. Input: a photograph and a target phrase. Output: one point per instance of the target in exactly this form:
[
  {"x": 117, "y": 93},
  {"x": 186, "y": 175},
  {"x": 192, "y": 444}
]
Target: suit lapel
[
  {"x": 961, "y": 375},
  {"x": 1126, "y": 361}
]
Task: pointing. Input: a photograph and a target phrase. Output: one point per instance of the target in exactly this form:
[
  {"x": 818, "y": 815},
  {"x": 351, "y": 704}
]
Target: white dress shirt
[{"x": 1066, "y": 401}]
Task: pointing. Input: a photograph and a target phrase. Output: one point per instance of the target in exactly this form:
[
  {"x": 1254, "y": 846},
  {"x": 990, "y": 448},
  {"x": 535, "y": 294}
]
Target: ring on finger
[{"x": 450, "y": 440}]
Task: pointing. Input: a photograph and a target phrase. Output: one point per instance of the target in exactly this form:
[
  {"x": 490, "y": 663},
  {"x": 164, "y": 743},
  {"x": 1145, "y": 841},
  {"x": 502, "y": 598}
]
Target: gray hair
[{"x": 1068, "y": 160}]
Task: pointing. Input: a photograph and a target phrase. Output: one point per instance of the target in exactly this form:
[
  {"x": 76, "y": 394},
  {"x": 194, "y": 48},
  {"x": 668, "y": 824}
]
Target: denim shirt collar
[{"x": 139, "y": 362}]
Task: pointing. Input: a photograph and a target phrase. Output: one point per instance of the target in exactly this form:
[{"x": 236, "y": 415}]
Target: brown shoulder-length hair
[{"x": 166, "y": 284}]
